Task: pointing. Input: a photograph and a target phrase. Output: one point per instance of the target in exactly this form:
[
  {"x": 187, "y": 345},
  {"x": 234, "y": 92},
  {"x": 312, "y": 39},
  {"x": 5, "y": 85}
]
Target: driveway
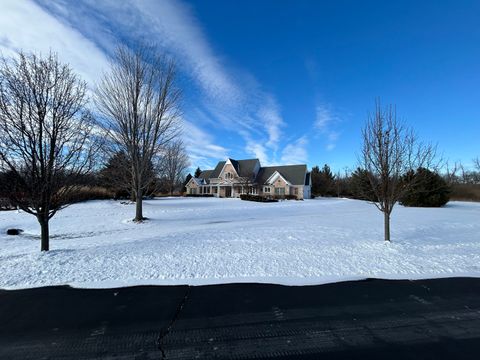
[{"x": 375, "y": 319}]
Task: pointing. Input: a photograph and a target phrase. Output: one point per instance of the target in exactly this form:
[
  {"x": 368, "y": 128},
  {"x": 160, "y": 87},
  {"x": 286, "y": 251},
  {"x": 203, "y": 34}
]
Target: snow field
[{"x": 208, "y": 240}]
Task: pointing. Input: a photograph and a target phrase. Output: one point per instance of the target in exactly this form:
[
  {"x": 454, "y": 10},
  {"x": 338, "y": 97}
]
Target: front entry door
[{"x": 228, "y": 191}]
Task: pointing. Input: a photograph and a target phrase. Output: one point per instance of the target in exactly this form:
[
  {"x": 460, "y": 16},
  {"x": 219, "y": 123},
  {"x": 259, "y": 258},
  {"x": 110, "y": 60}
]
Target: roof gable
[
  {"x": 294, "y": 174},
  {"x": 232, "y": 162}
]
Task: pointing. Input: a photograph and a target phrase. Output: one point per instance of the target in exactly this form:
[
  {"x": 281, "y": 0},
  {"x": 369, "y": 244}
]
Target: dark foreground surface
[{"x": 372, "y": 319}]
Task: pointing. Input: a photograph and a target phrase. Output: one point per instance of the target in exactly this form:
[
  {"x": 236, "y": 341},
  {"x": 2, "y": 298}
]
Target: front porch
[{"x": 228, "y": 191}]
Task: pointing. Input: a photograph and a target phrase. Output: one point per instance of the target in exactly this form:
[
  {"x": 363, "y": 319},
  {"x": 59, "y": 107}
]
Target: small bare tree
[
  {"x": 140, "y": 102},
  {"x": 45, "y": 135},
  {"x": 390, "y": 151},
  {"x": 246, "y": 183},
  {"x": 451, "y": 172},
  {"x": 476, "y": 163},
  {"x": 174, "y": 164}
]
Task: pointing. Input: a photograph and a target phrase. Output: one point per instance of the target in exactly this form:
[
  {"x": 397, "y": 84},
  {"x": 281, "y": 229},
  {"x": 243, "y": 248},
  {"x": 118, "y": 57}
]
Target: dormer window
[{"x": 228, "y": 175}]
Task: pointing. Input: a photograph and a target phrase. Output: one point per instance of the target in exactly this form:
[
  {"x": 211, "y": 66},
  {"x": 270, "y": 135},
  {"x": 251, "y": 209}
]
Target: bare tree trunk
[
  {"x": 387, "y": 225},
  {"x": 133, "y": 194},
  {"x": 139, "y": 205},
  {"x": 44, "y": 226}
]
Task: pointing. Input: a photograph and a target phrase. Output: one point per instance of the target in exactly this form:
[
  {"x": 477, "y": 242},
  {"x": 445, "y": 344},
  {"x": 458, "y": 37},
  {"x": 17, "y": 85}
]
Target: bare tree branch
[
  {"x": 140, "y": 103},
  {"x": 391, "y": 150},
  {"x": 174, "y": 164},
  {"x": 46, "y": 140}
]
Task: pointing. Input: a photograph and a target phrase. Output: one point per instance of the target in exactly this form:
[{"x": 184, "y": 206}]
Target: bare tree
[
  {"x": 174, "y": 164},
  {"x": 246, "y": 183},
  {"x": 451, "y": 172},
  {"x": 390, "y": 151},
  {"x": 476, "y": 163},
  {"x": 140, "y": 102},
  {"x": 45, "y": 135}
]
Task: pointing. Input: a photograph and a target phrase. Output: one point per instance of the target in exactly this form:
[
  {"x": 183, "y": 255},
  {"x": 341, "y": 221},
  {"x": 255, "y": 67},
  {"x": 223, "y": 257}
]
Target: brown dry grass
[{"x": 465, "y": 192}]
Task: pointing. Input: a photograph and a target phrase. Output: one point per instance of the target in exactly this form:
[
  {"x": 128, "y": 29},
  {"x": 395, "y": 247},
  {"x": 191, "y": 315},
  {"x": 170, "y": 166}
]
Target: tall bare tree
[
  {"x": 174, "y": 164},
  {"x": 140, "y": 103},
  {"x": 45, "y": 134},
  {"x": 391, "y": 150}
]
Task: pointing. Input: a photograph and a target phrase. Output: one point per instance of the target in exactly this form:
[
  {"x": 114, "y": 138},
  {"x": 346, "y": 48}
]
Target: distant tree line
[{"x": 459, "y": 185}]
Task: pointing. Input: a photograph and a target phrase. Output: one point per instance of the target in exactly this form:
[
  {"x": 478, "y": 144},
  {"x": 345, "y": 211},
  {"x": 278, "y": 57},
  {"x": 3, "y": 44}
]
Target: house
[{"x": 231, "y": 178}]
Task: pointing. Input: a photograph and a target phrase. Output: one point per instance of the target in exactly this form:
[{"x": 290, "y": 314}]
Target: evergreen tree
[
  {"x": 427, "y": 189},
  {"x": 322, "y": 181},
  {"x": 197, "y": 172},
  {"x": 315, "y": 180},
  {"x": 117, "y": 173},
  {"x": 115, "y": 176},
  {"x": 327, "y": 182},
  {"x": 360, "y": 185}
]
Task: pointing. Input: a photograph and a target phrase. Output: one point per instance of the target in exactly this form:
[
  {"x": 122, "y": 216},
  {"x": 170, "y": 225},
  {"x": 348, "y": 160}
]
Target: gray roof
[
  {"x": 218, "y": 169},
  {"x": 245, "y": 168},
  {"x": 206, "y": 174},
  {"x": 294, "y": 174}
]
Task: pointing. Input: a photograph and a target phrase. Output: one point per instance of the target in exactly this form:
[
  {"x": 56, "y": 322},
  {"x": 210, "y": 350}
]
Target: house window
[
  {"x": 266, "y": 189},
  {"x": 215, "y": 190},
  {"x": 253, "y": 190},
  {"x": 295, "y": 191},
  {"x": 228, "y": 175},
  {"x": 279, "y": 191}
]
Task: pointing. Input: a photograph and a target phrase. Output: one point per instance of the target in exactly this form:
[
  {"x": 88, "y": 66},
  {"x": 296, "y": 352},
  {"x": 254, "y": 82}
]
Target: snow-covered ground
[{"x": 205, "y": 241}]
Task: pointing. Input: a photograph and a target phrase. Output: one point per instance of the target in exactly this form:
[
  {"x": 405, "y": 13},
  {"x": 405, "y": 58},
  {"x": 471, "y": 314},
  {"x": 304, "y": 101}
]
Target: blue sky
[{"x": 285, "y": 81}]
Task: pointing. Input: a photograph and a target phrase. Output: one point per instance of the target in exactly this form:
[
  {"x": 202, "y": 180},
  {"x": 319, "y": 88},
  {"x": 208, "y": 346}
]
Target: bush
[
  {"x": 199, "y": 195},
  {"x": 256, "y": 198},
  {"x": 428, "y": 189},
  {"x": 289, "y": 197}
]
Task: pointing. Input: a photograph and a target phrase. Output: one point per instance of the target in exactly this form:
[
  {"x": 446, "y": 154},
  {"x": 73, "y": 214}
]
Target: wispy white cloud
[
  {"x": 86, "y": 32},
  {"x": 325, "y": 123},
  {"x": 224, "y": 89},
  {"x": 201, "y": 146},
  {"x": 26, "y": 26},
  {"x": 273, "y": 122},
  {"x": 296, "y": 152},
  {"x": 258, "y": 151}
]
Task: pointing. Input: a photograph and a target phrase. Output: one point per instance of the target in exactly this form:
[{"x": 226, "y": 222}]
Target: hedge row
[
  {"x": 199, "y": 195},
  {"x": 289, "y": 197},
  {"x": 256, "y": 198}
]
